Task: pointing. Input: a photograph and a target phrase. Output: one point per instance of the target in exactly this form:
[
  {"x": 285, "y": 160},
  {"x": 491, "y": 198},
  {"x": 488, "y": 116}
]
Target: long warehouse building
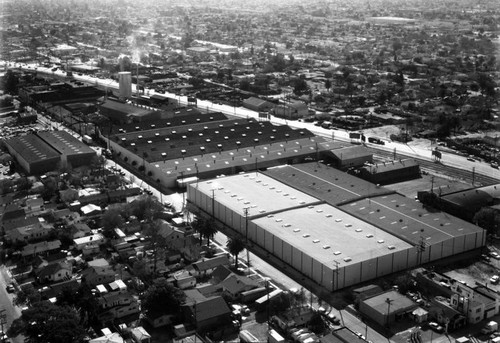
[{"x": 332, "y": 227}]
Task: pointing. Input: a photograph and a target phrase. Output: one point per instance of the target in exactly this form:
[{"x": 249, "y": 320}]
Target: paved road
[{"x": 11, "y": 312}]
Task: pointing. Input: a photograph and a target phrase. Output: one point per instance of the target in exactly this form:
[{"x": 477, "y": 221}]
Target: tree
[
  {"x": 9, "y": 82},
  {"x": 235, "y": 246},
  {"x": 27, "y": 295},
  {"x": 396, "y": 46},
  {"x": 146, "y": 208},
  {"x": 83, "y": 300},
  {"x": 161, "y": 298},
  {"x": 209, "y": 230},
  {"x": 205, "y": 227},
  {"x": 156, "y": 242},
  {"x": 300, "y": 87},
  {"x": 487, "y": 219},
  {"x": 45, "y": 322},
  {"x": 328, "y": 84},
  {"x": 110, "y": 220}
]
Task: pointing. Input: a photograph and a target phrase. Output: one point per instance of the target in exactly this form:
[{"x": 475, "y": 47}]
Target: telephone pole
[{"x": 245, "y": 211}]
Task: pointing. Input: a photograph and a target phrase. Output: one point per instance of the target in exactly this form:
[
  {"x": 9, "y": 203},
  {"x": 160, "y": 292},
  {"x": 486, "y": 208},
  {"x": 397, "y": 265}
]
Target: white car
[
  {"x": 436, "y": 327},
  {"x": 495, "y": 279},
  {"x": 495, "y": 255}
]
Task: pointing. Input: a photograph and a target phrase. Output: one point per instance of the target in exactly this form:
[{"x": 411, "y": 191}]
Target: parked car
[
  {"x": 436, "y": 327},
  {"x": 10, "y": 288},
  {"x": 494, "y": 279},
  {"x": 495, "y": 255},
  {"x": 297, "y": 333}
]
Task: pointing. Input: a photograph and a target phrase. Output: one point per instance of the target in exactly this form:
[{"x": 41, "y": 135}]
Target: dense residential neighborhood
[{"x": 220, "y": 171}]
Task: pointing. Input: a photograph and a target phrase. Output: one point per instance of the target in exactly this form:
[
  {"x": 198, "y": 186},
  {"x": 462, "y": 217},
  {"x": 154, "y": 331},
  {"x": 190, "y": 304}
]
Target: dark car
[{"x": 10, "y": 288}]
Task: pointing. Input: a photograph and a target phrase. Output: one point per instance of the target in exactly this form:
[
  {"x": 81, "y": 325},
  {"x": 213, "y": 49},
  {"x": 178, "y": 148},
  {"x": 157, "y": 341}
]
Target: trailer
[{"x": 87, "y": 139}]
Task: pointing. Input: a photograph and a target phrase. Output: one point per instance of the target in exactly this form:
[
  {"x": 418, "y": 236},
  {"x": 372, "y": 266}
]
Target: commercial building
[
  {"x": 332, "y": 227},
  {"x": 387, "y": 307},
  {"x": 71, "y": 150},
  {"x": 207, "y": 145},
  {"x": 33, "y": 155}
]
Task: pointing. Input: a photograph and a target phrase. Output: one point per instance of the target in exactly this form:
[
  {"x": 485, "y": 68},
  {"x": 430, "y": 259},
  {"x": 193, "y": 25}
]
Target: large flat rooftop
[
  {"x": 327, "y": 233},
  {"x": 64, "y": 143},
  {"x": 243, "y": 158},
  {"x": 258, "y": 192},
  {"x": 409, "y": 219},
  {"x": 32, "y": 148},
  {"x": 327, "y": 183}
]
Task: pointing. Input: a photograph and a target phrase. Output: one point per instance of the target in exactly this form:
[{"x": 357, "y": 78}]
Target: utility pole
[
  {"x": 213, "y": 204},
  {"x": 389, "y": 302},
  {"x": 421, "y": 247},
  {"x": 3, "y": 317},
  {"x": 473, "y": 174},
  {"x": 245, "y": 211},
  {"x": 336, "y": 272}
]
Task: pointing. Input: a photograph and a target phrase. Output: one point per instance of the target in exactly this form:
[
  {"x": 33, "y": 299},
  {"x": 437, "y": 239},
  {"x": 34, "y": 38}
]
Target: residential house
[
  {"x": 183, "y": 279},
  {"x": 54, "y": 272},
  {"x": 208, "y": 265},
  {"x": 140, "y": 335},
  {"x": 445, "y": 315},
  {"x": 219, "y": 274},
  {"x": 93, "y": 276},
  {"x": 114, "y": 337},
  {"x": 33, "y": 232},
  {"x": 207, "y": 313},
  {"x": 291, "y": 110},
  {"x": 234, "y": 285},
  {"x": 41, "y": 248},
  {"x": 80, "y": 230},
  {"x": 34, "y": 206},
  {"x": 115, "y": 306},
  {"x": 89, "y": 241},
  {"x": 173, "y": 236}
]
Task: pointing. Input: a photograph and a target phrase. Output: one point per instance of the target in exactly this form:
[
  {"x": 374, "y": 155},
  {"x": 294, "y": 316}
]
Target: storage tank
[{"x": 125, "y": 83}]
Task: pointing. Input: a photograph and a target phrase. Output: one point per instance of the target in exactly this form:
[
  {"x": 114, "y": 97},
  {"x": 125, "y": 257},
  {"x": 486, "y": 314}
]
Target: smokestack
[{"x": 125, "y": 83}]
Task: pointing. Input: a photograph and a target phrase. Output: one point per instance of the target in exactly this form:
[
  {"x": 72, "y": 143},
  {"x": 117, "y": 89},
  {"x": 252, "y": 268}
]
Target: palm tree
[
  {"x": 235, "y": 246},
  {"x": 205, "y": 227},
  {"x": 208, "y": 230}
]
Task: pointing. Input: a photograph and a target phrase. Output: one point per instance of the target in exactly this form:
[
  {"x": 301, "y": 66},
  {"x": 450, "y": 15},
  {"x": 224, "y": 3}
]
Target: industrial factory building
[
  {"x": 46, "y": 150},
  {"x": 196, "y": 145},
  {"x": 332, "y": 227}
]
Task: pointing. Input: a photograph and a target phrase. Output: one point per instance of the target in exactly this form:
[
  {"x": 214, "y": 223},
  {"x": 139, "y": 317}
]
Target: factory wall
[
  {"x": 35, "y": 168},
  {"x": 328, "y": 275}
]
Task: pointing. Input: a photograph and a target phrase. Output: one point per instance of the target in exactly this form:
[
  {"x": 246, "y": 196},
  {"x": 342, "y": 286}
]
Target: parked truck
[
  {"x": 274, "y": 337},
  {"x": 87, "y": 139},
  {"x": 492, "y": 326}
]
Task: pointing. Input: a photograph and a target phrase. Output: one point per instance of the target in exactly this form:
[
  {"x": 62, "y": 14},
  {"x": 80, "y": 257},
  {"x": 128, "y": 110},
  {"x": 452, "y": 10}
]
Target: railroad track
[{"x": 439, "y": 168}]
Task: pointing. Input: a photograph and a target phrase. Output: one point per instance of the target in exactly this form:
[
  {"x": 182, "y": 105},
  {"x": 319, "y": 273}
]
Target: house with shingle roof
[
  {"x": 54, "y": 272},
  {"x": 208, "y": 265},
  {"x": 207, "y": 313}
]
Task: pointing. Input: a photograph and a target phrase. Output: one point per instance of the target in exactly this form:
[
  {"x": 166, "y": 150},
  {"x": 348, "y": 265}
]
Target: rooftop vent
[
  {"x": 391, "y": 247},
  {"x": 326, "y": 246},
  {"x": 380, "y": 241},
  {"x": 306, "y": 235},
  {"x": 347, "y": 259},
  {"x": 336, "y": 253},
  {"x": 316, "y": 241},
  {"x": 296, "y": 230},
  {"x": 369, "y": 235}
]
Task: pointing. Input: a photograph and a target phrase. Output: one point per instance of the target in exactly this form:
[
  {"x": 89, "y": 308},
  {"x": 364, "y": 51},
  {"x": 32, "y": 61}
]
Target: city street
[{"x": 11, "y": 312}]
